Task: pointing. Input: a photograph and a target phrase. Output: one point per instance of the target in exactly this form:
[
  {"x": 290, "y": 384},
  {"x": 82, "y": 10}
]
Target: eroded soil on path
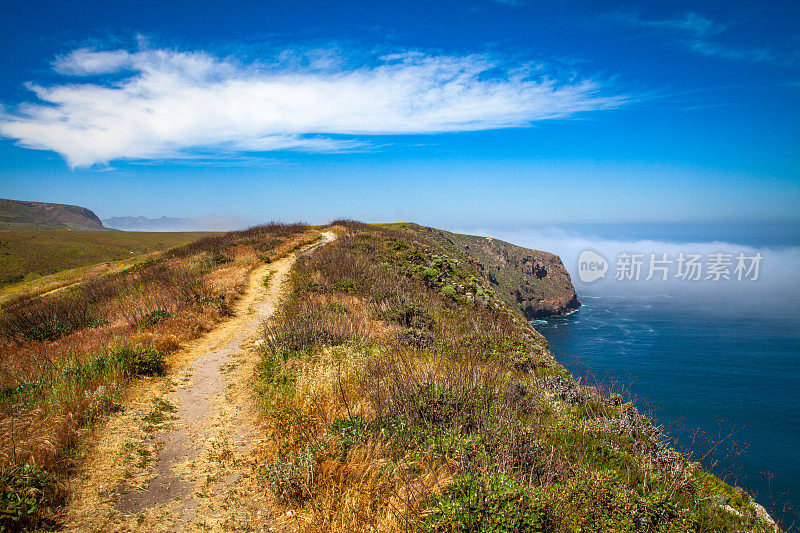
[{"x": 181, "y": 456}]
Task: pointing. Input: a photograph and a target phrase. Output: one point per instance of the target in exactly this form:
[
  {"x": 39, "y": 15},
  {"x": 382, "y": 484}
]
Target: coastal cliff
[{"x": 532, "y": 282}]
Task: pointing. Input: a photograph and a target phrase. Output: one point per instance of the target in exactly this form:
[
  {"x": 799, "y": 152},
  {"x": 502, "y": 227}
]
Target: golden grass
[{"x": 372, "y": 489}]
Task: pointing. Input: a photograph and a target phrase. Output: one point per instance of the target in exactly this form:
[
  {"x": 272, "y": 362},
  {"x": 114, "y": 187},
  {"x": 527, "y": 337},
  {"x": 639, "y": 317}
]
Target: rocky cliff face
[
  {"x": 531, "y": 281},
  {"x": 15, "y": 214}
]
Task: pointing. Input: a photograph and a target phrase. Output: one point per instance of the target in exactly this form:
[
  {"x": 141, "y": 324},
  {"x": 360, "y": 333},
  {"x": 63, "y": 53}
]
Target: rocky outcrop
[{"x": 531, "y": 281}]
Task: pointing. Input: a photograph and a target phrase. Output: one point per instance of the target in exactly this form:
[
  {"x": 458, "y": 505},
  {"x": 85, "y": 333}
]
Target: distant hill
[
  {"x": 203, "y": 223},
  {"x": 149, "y": 224},
  {"x": 20, "y": 215}
]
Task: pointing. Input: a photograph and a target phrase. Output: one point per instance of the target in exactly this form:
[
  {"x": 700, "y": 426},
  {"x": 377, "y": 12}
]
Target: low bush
[
  {"x": 449, "y": 290},
  {"x": 409, "y": 315},
  {"x": 492, "y": 504},
  {"x": 25, "y": 491},
  {"x": 145, "y": 362},
  {"x": 154, "y": 317}
]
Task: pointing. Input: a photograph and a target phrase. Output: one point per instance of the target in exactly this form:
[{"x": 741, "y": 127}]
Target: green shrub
[
  {"x": 430, "y": 274},
  {"x": 449, "y": 290},
  {"x": 158, "y": 414},
  {"x": 496, "y": 504},
  {"x": 410, "y": 316},
  {"x": 148, "y": 362},
  {"x": 593, "y": 501},
  {"x": 48, "y": 330},
  {"x": 24, "y": 491},
  {"x": 141, "y": 361},
  {"x": 154, "y": 317}
]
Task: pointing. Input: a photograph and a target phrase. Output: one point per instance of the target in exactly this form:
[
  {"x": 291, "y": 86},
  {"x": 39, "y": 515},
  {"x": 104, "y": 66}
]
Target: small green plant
[
  {"x": 430, "y": 274},
  {"x": 141, "y": 361},
  {"x": 154, "y": 317},
  {"x": 159, "y": 413},
  {"x": 449, "y": 290},
  {"x": 148, "y": 362},
  {"x": 291, "y": 478},
  {"x": 46, "y": 331},
  {"x": 144, "y": 456},
  {"x": 410, "y": 316},
  {"x": 494, "y": 504}
]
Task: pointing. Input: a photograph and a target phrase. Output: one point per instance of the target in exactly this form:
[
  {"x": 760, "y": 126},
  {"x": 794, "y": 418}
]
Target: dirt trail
[{"x": 179, "y": 458}]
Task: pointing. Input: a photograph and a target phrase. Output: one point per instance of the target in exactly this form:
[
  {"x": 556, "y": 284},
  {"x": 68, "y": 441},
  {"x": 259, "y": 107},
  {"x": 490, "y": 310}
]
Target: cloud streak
[
  {"x": 701, "y": 35},
  {"x": 159, "y": 103}
]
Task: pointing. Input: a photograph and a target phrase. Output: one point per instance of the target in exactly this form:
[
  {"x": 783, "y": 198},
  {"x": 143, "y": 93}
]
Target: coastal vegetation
[{"x": 404, "y": 395}]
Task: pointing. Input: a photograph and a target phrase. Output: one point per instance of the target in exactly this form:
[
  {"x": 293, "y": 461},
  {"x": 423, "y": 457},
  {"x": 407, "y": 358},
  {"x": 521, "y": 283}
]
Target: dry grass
[{"x": 67, "y": 358}]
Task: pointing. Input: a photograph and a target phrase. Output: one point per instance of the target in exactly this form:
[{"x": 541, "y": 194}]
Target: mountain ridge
[
  {"x": 224, "y": 222},
  {"x": 141, "y": 223}
]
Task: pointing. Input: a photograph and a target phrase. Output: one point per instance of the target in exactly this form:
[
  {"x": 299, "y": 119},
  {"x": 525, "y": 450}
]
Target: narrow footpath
[{"x": 181, "y": 456}]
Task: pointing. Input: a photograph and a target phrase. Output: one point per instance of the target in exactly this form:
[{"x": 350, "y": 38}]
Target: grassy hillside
[
  {"x": 27, "y": 255},
  {"x": 20, "y": 215},
  {"x": 401, "y": 403},
  {"x": 68, "y": 358}
]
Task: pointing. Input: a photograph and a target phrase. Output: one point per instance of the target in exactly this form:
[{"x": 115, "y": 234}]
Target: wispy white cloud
[
  {"x": 701, "y": 35},
  {"x": 159, "y": 103}
]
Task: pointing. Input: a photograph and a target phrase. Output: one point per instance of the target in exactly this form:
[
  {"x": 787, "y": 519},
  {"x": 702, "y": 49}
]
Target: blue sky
[{"x": 470, "y": 112}]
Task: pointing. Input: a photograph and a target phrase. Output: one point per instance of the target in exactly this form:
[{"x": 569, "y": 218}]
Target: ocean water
[
  {"x": 732, "y": 372},
  {"x": 710, "y": 360}
]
